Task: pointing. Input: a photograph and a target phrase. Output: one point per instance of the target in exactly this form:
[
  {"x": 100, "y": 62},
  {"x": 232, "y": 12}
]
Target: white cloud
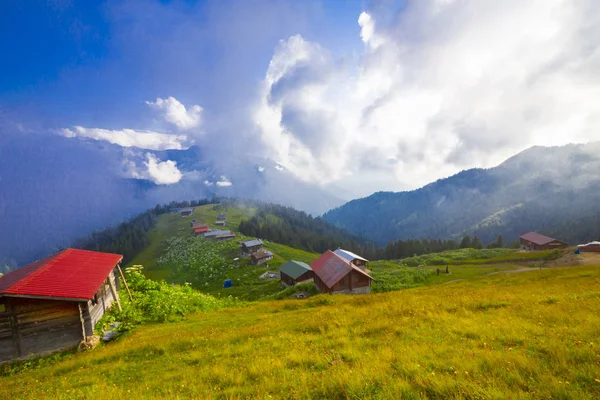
[
  {"x": 435, "y": 90},
  {"x": 261, "y": 168},
  {"x": 162, "y": 172},
  {"x": 130, "y": 138},
  {"x": 224, "y": 182},
  {"x": 207, "y": 182},
  {"x": 175, "y": 113}
]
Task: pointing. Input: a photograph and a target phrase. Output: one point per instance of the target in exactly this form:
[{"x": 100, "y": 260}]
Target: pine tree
[
  {"x": 465, "y": 243},
  {"x": 476, "y": 244}
]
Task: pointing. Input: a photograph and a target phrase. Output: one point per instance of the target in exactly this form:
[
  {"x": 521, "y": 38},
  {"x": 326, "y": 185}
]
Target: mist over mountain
[
  {"x": 553, "y": 190},
  {"x": 60, "y": 189}
]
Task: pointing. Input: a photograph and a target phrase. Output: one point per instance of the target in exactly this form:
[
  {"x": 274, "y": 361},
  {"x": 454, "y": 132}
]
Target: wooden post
[
  {"x": 114, "y": 293},
  {"x": 82, "y": 321},
  {"x": 124, "y": 281}
]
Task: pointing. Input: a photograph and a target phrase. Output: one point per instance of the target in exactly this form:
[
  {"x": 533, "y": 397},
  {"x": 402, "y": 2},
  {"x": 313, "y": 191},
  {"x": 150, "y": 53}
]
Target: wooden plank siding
[
  {"x": 38, "y": 326},
  {"x": 353, "y": 282}
]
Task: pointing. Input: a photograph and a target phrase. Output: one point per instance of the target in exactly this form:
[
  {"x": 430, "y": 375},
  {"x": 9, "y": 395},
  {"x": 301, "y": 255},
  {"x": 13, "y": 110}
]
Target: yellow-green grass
[{"x": 505, "y": 336}]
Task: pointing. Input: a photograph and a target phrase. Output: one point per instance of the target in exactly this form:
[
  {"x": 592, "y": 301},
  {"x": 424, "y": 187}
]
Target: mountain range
[
  {"x": 52, "y": 194},
  {"x": 552, "y": 190}
]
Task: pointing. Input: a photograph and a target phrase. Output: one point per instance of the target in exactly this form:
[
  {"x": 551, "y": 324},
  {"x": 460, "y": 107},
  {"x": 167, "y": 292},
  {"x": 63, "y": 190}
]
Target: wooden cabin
[
  {"x": 261, "y": 257},
  {"x": 536, "y": 241},
  {"x": 592, "y": 247},
  {"x": 221, "y": 217},
  {"x": 251, "y": 246},
  {"x": 225, "y": 236},
  {"x": 201, "y": 231},
  {"x": 355, "y": 259},
  {"x": 293, "y": 272},
  {"x": 335, "y": 275},
  {"x": 220, "y": 222},
  {"x": 54, "y": 303},
  {"x": 214, "y": 235},
  {"x": 186, "y": 212}
]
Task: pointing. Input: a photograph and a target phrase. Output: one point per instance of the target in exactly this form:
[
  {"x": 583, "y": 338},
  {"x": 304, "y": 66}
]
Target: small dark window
[
  {"x": 2, "y": 308},
  {"x": 95, "y": 300}
]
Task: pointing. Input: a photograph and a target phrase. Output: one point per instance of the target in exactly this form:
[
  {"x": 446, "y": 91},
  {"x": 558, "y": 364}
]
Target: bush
[{"x": 159, "y": 302}]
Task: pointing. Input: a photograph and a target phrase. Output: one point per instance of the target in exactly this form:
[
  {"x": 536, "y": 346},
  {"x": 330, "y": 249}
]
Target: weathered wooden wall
[
  {"x": 34, "y": 326},
  {"x": 95, "y": 308}
]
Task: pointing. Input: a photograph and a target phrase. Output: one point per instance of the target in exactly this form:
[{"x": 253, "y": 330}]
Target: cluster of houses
[
  {"x": 334, "y": 272},
  {"x": 201, "y": 229},
  {"x": 255, "y": 251}
]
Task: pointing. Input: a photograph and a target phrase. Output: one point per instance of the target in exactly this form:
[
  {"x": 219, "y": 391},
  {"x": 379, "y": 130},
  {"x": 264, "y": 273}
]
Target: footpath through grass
[{"x": 505, "y": 336}]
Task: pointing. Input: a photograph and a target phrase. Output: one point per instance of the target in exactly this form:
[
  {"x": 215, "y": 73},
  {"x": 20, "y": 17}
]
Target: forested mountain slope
[{"x": 554, "y": 190}]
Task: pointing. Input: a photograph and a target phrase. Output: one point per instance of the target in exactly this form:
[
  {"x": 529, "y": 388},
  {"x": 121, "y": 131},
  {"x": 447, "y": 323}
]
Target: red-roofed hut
[
  {"x": 54, "y": 303},
  {"x": 537, "y": 241},
  {"x": 334, "y": 274}
]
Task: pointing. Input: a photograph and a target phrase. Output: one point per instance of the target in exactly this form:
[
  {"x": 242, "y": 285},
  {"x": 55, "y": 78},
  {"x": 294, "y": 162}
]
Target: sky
[{"x": 350, "y": 97}]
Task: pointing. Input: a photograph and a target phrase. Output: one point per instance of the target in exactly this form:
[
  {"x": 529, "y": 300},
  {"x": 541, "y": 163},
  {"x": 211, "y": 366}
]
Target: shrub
[{"x": 159, "y": 302}]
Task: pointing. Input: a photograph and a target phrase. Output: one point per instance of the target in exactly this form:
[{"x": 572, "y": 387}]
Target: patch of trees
[
  {"x": 297, "y": 229},
  {"x": 130, "y": 237}
]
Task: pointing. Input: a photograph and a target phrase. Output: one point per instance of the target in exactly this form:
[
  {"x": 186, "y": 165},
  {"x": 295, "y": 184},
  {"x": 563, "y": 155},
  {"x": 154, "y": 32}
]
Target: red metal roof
[
  {"x": 537, "y": 238},
  {"x": 69, "y": 274},
  {"x": 331, "y": 268},
  {"x": 200, "y": 229}
]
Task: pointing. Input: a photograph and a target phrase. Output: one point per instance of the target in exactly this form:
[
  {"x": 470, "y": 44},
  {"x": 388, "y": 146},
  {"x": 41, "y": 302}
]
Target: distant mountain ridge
[{"x": 555, "y": 190}]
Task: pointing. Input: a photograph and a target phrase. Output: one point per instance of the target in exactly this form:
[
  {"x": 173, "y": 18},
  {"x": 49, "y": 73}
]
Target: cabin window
[
  {"x": 95, "y": 299},
  {"x": 2, "y": 308}
]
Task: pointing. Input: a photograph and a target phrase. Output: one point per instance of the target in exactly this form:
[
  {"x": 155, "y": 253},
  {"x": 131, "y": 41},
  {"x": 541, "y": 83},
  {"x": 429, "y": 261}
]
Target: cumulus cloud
[
  {"x": 176, "y": 113},
  {"x": 149, "y": 167},
  {"x": 224, "y": 182},
  {"x": 130, "y": 138},
  {"x": 434, "y": 90},
  {"x": 162, "y": 172}
]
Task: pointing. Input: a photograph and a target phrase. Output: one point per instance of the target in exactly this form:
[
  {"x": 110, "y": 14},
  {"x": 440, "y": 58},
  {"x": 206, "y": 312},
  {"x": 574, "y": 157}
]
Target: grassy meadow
[{"x": 527, "y": 335}]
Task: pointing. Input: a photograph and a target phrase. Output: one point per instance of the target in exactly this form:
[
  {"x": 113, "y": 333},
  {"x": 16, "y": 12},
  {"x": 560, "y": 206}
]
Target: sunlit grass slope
[
  {"x": 208, "y": 276},
  {"x": 505, "y": 336}
]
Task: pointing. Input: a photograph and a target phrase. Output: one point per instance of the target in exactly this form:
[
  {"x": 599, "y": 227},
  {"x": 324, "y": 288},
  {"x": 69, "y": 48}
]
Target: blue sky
[{"x": 90, "y": 62}]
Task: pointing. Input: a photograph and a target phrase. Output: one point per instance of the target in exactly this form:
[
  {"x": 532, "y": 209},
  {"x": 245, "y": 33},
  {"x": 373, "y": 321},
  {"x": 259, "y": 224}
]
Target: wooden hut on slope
[
  {"x": 537, "y": 241},
  {"x": 334, "y": 275},
  {"x": 293, "y": 272},
  {"x": 55, "y": 303},
  {"x": 355, "y": 259}
]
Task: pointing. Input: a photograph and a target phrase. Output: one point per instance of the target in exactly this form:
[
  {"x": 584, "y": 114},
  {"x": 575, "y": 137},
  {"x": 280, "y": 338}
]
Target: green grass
[
  {"x": 176, "y": 256},
  {"x": 482, "y": 256},
  {"x": 506, "y": 336},
  {"x": 173, "y": 225}
]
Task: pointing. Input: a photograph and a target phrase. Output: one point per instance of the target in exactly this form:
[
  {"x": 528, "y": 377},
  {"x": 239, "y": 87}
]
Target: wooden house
[
  {"x": 251, "y": 246},
  {"x": 590, "y": 247},
  {"x": 293, "y": 272},
  {"x": 353, "y": 258},
  {"x": 536, "y": 241},
  {"x": 200, "y": 231},
  {"x": 186, "y": 212},
  {"x": 214, "y": 235},
  {"x": 54, "y": 303},
  {"x": 225, "y": 236},
  {"x": 261, "y": 257},
  {"x": 220, "y": 222},
  {"x": 221, "y": 217},
  {"x": 334, "y": 274}
]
